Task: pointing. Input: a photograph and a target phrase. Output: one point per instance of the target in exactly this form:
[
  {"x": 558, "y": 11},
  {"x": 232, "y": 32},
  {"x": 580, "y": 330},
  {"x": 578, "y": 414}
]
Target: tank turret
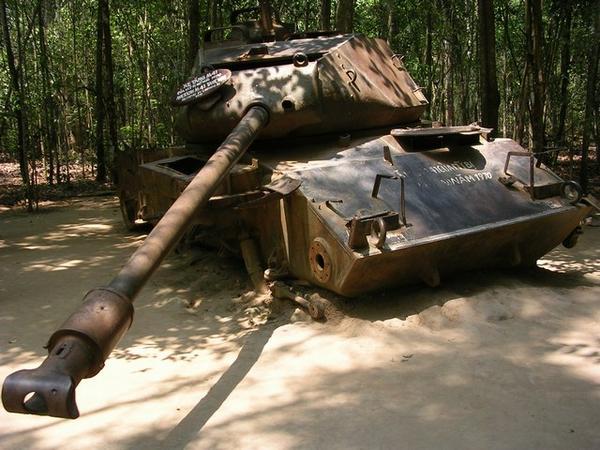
[{"x": 312, "y": 85}]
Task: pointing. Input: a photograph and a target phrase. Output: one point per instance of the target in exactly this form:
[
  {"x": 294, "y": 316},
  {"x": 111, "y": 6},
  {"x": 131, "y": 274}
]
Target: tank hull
[
  {"x": 510, "y": 244},
  {"x": 445, "y": 208}
]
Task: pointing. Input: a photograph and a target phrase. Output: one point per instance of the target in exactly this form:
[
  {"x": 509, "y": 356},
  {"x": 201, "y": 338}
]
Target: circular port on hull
[
  {"x": 300, "y": 59},
  {"x": 571, "y": 191},
  {"x": 320, "y": 261}
]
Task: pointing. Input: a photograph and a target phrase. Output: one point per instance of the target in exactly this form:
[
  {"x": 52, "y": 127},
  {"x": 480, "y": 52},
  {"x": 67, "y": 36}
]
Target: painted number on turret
[{"x": 200, "y": 87}]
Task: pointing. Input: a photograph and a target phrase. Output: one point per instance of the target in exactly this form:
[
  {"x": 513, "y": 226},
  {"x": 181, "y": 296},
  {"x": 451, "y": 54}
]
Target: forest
[{"x": 83, "y": 80}]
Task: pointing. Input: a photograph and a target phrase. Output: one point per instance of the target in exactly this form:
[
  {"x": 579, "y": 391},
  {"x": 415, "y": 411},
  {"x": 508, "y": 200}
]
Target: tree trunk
[
  {"x": 215, "y": 5},
  {"x": 392, "y": 22},
  {"x": 505, "y": 111},
  {"x": 266, "y": 16},
  {"x": 100, "y": 112},
  {"x": 344, "y": 16},
  {"x": 590, "y": 98},
  {"x": 17, "y": 85},
  {"x": 429, "y": 62},
  {"x": 534, "y": 31},
  {"x": 523, "y": 108},
  {"x": 449, "y": 84},
  {"x": 111, "y": 112},
  {"x": 490, "y": 97},
  {"x": 79, "y": 140},
  {"x": 565, "y": 63},
  {"x": 450, "y": 44},
  {"x": 50, "y": 110},
  {"x": 193, "y": 32},
  {"x": 325, "y": 15},
  {"x": 307, "y": 16},
  {"x": 147, "y": 84}
]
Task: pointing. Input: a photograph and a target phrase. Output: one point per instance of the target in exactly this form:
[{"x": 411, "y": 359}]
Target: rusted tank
[{"x": 343, "y": 185}]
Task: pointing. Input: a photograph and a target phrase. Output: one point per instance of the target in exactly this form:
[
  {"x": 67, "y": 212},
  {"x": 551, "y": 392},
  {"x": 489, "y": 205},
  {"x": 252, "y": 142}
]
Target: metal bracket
[
  {"x": 377, "y": 226},
  {"x": 535, "y": 160},
  {"x": 399, "y": 178},
  {"x": 512, "y": 178}
]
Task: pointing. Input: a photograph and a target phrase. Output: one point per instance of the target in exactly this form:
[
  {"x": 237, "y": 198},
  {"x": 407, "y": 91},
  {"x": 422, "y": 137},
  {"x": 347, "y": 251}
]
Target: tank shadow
[{"x": 200, "y": 414}]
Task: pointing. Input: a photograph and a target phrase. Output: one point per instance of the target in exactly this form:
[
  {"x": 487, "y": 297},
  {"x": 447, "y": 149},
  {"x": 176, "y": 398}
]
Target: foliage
[{"x": 149, "y": 39}]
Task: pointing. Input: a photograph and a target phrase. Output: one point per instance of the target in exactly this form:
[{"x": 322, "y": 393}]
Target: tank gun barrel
[{"x": 80, "y": 346}]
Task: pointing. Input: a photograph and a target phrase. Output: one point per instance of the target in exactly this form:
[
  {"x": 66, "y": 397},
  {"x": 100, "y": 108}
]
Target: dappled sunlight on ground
[
  {"x": 54, "y": 266},
  {"x": 491, "y": 359},
  {"x": 585, "y": 265},
  {"x": 561, "y": 260}
]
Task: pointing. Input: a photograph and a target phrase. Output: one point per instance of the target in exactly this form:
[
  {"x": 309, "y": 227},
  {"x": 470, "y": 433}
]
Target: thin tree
[
  {"x": 429, "y": 61},
  {"x": 193, "y": 7},
  {"x": 110, "y": 110},
  {"x": 79, "y": 133},
  {"x": 535, "y": 45},
  {"x": 100, "y": 107},
  {"x": 50, "y": 110},
  {"x": 449, "y": 82},
  {"x": 488, "y": 84},
  {"x": 392, "y": 20},
  {"x": 325, "y": 15},
  {"x": 450, "y": 46},
  {"x": 214, "y": 7},
  {"x": 16, "y": 77},
  {"x": 590, "y": 98},
  {"x": 344, "y": 16},
  {"x": 565, "y": 64},
  {"x": 266, "y": 15}
]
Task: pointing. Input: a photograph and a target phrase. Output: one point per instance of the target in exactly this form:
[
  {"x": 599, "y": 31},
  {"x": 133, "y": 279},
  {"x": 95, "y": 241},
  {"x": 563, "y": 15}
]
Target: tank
[{"x": 306, "y": 153}]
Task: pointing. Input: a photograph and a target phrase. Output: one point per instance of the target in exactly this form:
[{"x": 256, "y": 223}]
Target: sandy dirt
[{"x": 490, "y": 360}]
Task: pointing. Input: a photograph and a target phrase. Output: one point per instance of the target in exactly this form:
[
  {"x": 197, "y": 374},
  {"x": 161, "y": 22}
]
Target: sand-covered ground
[{"x": 490, "y": 360}]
